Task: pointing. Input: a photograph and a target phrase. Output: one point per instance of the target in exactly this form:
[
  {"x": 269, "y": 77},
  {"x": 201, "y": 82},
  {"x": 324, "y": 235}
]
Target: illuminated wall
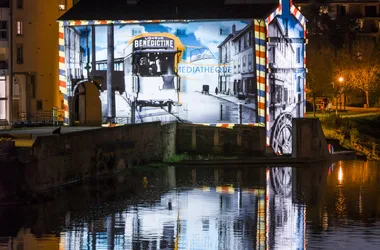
[
  {"x": 286, "y": 64},
  {"x": 36, "y": 71},
  {"x": 172, "y": 70}
]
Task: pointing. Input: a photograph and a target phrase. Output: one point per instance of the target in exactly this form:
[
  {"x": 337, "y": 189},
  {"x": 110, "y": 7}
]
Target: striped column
[
  {"x": 62, "y": 72},
  {"x": 297, "y": 14},
  {"x": 260, "y": 37},
  {"x": 304, "y": 66}
]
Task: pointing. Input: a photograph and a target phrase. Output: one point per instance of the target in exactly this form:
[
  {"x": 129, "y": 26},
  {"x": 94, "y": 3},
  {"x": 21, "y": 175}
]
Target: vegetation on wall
[{"x": 361, "y": 134}]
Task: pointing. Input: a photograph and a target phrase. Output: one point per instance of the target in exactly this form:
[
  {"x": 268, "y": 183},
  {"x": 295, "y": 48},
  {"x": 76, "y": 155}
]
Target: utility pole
[{"x": 110, "y": 71}]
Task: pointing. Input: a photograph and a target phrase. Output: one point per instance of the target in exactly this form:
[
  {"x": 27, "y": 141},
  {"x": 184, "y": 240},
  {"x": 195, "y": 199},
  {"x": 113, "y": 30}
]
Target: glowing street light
[{"x": 338, "y": 92}]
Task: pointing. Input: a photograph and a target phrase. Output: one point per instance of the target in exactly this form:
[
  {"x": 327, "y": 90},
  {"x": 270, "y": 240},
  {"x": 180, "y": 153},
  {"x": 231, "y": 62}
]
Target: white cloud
[
  {"x": 190, "y": 27},
  {"x": 208, "y": 33},
  {"x": 121, "y": 38}
]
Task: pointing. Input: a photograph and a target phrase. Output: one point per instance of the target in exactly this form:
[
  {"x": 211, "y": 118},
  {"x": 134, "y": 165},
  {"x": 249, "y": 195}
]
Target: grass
[
  {"x": 359, "y": 133},
  {"x": 345, "y": 114},
  {"x": 177, "y": 158}
]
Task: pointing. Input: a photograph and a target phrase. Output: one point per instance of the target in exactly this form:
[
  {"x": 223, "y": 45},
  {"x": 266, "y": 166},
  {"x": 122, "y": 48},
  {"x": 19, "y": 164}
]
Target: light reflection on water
[{"x": 312, "y": 207}]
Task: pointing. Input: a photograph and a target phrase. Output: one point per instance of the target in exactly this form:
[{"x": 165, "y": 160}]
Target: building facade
[
  {"x": 5, "y": 61},
  {"x": 367, "y": 12},
  {"x": 238, "y": 51},
  {"x": 29, "y": 34}
]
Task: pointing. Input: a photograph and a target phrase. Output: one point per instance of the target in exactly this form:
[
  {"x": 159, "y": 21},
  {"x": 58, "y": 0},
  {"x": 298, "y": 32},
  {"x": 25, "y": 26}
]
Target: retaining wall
[
  {"x": 308, "y": 140},
  {"x": 61, "y": 159},
  {"x": 241, "y": 140},
  {"x": 57, "y": 160}
]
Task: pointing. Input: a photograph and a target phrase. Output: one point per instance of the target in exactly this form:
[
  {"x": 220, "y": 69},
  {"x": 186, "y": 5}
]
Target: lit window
[
  {"x": 20, "y": 4},
  {"x": 20, "y": 30},
  {"x": 20, "y": 53},
  {"x": 3, "y": 30},
  {"x": 62, "y": 4}
]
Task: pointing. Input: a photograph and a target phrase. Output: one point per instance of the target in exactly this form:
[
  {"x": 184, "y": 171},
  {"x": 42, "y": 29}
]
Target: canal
[{"x": 333, "y": 206}]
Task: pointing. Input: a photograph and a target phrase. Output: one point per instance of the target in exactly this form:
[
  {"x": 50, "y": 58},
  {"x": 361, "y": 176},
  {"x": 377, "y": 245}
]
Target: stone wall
[
  {"x": 169, "y": 133},
  {"x": 308, "y": 140},
  {"x": 241, "y": 140},
  {"x": 61, "y": 159}
]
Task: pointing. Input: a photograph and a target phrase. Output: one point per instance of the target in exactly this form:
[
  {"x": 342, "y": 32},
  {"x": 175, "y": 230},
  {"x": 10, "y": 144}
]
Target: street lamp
[{"x": 338, "y": 93}]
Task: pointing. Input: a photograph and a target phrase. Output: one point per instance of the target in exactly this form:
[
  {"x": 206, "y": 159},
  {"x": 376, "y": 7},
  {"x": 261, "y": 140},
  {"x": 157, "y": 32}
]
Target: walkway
[
  {"x": 234, "y": 99},
  {"x": 25, "y": 137}
]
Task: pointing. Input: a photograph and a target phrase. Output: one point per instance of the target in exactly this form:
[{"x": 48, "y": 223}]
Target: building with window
[
  {"x": 367, "y": 12},
  {"x": 4, "y": 62},
  {"x": 29, "y": 29},
  {"x": 237, "y": 49}
]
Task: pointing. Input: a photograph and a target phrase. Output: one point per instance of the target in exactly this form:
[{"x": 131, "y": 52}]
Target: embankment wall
[
  {"x": 241, "y": 140},
  {"x": 60, "y": 159}
]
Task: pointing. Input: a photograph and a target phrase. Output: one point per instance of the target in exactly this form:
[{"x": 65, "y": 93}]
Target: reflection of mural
[
  {"x": 286, "y": 228},
  {"x": 285, "y": 80}
]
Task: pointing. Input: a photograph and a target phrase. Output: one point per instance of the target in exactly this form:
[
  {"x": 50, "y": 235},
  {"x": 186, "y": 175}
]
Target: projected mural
[
  {"x": 200, "y": 72},
  {"x": 286, "y": 74}
]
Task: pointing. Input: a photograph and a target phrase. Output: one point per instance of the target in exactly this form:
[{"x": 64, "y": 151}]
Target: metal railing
[{"x": 41, "y": 118}]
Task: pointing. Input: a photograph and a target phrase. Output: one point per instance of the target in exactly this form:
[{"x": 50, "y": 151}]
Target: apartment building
[
  {"x": 367, "y": 12},
  {"x": 237, "y": 50},
  {"x": 4, "y": 61},
  {"x": 33, "y": 30}
]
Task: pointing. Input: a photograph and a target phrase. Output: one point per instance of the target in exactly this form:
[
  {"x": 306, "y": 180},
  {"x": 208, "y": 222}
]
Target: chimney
[{"x": 233, "y": 29}]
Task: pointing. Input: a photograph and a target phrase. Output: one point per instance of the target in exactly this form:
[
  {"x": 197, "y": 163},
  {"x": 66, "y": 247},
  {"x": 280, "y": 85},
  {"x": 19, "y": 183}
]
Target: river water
[{"x": 333, "y": 206}]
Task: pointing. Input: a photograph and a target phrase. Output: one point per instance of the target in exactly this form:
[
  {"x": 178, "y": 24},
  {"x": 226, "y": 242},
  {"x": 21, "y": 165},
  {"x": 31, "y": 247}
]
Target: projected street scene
[
  {"x": 199, "y": 72},
  {"x": 285, "y": 80}
]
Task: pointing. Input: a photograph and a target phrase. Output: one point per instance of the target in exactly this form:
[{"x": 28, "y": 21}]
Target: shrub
[
  {"x": 373, "y": 144},
  {"x": 333, "y": 121},
  {"x": 354, "y": 136},
  {"x": 5, "y": 139},
  {"x": 177, "y": 158}
]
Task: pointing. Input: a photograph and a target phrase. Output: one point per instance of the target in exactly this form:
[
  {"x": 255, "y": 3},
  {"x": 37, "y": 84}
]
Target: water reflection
[{"x": 310, "y": 207}]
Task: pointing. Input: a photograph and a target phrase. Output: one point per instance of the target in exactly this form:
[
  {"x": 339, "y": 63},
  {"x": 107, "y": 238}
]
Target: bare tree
[{"x": 361, "y": 66}]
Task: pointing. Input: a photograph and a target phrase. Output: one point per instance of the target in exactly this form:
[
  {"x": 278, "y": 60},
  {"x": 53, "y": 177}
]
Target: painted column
[
  {"x": 62, "y": 72},
  {"x": 260, "y": 69},
  {"x": 110, "y": 69}
]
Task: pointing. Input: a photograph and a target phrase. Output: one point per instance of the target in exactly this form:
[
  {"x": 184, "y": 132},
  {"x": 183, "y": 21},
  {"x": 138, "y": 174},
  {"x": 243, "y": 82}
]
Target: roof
[
  {"x": 169, "y": 10},
  {"x": 241, "y": 32}
]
